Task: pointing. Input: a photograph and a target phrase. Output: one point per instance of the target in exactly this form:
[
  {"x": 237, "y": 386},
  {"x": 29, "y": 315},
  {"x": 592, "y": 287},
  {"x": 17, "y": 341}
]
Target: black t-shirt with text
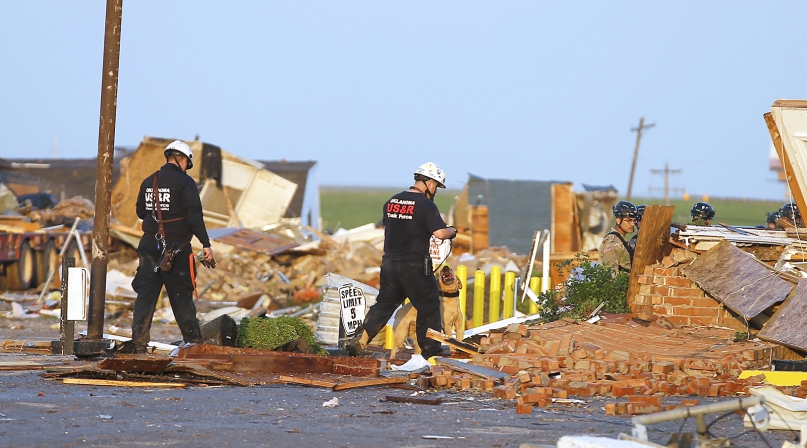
[{"x": 409, "y": 220}]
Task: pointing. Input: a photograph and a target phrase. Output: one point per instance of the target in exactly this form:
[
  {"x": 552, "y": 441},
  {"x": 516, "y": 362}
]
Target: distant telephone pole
[
  {"x": 638, "y": 131},
  {"x": 666, "y": 172}
]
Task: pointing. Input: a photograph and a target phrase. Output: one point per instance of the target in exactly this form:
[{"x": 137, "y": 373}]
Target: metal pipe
[
  {"x": 640, "y": 421},
  {"x": 106, "y": 152}
]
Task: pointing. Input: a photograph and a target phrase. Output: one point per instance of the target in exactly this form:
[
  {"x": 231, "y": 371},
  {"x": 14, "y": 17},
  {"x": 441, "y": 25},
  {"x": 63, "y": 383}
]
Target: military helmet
[
  {"x": 640, "y": 211},
  {"x": 624, "y": 209},
  {"x": 773, "y": 217},
  {"x": 790, "y": 211},
  {"x": 702, "y": 211}
]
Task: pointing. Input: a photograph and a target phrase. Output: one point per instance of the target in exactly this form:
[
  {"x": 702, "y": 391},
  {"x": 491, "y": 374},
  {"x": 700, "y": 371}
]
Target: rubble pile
[{"x": 621, "y": 359}]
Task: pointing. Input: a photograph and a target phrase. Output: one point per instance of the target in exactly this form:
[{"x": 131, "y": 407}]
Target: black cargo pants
[
  {"x": 148, "y": 284},
  {"x": 399, "y": 280}
]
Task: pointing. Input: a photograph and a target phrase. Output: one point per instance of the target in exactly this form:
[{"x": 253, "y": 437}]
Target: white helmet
[
  {"x": 432, "y": 171},
  {"x": 182, "y": 147}
]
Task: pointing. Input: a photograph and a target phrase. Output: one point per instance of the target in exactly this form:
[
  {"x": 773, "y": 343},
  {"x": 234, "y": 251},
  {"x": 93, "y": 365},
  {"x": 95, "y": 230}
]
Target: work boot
[{"x": 355, "y": 346}]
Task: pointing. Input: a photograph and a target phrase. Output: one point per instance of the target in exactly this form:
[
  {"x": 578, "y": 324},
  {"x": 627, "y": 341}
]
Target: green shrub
[
  {"x": 272, "y": 333},
  {"x": 581, "y": 294}
]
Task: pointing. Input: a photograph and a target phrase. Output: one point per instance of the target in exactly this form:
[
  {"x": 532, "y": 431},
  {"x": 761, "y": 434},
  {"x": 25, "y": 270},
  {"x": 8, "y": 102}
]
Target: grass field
[
  {"x": 354, "y": 206},
  {"x": 350, "y": 207}
]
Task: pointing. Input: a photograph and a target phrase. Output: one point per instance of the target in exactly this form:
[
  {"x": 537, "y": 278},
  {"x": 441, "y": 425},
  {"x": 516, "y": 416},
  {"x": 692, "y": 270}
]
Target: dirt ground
[{"x": 39, "y": 412}]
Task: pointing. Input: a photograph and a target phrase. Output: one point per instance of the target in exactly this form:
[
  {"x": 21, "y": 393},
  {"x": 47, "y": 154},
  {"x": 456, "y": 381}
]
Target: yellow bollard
[
  {"x": 535, "y": 286},
  {"x": 495, "y": 294},
  {"x": 509, "y": 294},
  {"x": 479, "y": 299},
  {"x": 462, "y": 274},
  {"x": 389, "y": 337}
]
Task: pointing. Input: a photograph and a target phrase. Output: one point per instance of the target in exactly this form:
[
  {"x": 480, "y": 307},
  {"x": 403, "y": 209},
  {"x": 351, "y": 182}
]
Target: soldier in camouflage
[
  {"x": 702, "y": 214},
  {"x": 614, "y": 250}
]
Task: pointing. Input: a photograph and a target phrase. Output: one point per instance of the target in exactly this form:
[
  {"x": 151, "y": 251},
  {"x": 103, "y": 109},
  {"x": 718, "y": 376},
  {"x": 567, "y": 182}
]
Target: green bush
[
  {"x": 272, "y": 333},
  {"x": 581, "y": 294}
]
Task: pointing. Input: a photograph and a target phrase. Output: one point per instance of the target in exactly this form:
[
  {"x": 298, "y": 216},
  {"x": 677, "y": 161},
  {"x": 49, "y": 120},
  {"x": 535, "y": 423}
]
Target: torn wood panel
[
  {"x": 738, "y": 280},
  {"x": 419, "y": 399},
  {"x": 118, "y": 383},
  {"x": 482, "y": 372},
  {"x": 136, "y": 363},
  {"x": 787, "y": 325},
  {"x": 255, "y": 241},
  {"x": 653, "y": 244},
  {"x": 370, "y": 383}
]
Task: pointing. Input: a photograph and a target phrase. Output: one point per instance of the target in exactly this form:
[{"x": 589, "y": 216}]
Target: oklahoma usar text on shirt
[{"x": 415, "y": 216}]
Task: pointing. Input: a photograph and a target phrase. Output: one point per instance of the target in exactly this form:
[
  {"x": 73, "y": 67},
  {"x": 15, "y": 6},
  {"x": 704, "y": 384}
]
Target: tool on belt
[{"x": 167, "y": 256}]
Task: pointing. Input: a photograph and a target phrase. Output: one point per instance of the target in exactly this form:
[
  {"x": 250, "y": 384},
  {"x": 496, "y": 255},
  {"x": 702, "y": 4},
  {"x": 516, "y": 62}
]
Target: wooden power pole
[
  {"x": 666, "y": 172},
  {"x": 638, "y": 130},
  {"x": 106, "y": 152}
]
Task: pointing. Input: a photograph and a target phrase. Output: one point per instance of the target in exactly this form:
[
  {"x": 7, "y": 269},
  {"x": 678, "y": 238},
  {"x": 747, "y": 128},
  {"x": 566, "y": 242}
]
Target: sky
[{"x": 507, "y": 90}]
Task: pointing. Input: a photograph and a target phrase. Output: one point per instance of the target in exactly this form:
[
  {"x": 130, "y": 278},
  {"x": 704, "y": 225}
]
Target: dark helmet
[
  {"x": 790, "y": 211},
  {"x": 640, "y": 211},
  {"x": 624, "y": 209},
  {"x": 703, "y": 211},
  {"x": 773, "y": 217}
]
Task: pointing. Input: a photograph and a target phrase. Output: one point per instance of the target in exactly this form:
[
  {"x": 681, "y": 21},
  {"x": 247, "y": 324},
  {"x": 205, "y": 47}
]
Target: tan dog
[{"x": 406, "y": 317}]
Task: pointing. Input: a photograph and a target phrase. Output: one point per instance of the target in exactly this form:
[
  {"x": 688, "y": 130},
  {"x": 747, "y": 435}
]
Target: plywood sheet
[
  {"x": 736, "y": 279},
  {"x": 787, "y": 325},
  {"x": 653, "y": 244}
]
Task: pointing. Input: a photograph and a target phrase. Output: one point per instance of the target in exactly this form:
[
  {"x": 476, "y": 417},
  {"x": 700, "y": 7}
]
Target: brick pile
[
  {"x": 617, "y": 358},
  {"x": 680, "y": 301}
]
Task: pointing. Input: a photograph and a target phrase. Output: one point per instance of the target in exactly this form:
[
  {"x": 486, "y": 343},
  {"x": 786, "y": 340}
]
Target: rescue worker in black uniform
[
  {"x": 410, "y": 220},
  {"x": 181, "y": 210}
]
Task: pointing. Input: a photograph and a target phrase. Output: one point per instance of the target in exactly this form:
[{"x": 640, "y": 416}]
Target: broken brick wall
[{"x": 680, "y": 301}]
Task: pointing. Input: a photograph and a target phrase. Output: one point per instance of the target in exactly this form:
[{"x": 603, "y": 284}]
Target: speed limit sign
[{"x": 353, "y": 307}]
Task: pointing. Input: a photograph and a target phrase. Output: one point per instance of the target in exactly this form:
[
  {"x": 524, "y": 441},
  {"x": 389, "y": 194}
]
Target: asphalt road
[{"x": 36, "y": 412}]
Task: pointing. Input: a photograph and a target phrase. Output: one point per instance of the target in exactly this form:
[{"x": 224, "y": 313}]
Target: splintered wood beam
[
  {"x": 451, "y": 342},
  {"x": 306, "y": 382},
  {"x": 136, "y": 363},
  {"x": 426, "y": 399},
  {"x": 94, "y": 382},
  {"x": 370, "y": 383}
]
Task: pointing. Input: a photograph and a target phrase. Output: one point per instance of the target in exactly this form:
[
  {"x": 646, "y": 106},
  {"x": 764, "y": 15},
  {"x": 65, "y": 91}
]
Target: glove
[{"x": 200, "y": 257}]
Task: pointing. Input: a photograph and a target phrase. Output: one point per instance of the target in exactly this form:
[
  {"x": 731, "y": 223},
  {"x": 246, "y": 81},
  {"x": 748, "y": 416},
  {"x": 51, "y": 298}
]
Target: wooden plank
[
  {"x": 118, "y": 383},
  {"x": 418, "y": 399},
  {"x": 738, "y": 280},
  {"x": 565, "y": 228},
  {"x": 787, "y": 324},
  {"x": 652, "y": 246},
  {"x": 275, "y": 364},
  {"x": 454, "y": 343},
  {"x": 136, "y": 363},
  {"x": 306, "y": 382},
  {"x": 370, "y": 383},
  {"x": 482, "y": 372},
  {"x": 480, "y": 237}
]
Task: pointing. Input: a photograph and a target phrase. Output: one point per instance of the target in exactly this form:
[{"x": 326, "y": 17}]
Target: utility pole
[
  {"x": 638, "y": 131},
  {"x": 106, "y": 152},
  {"x": 666, "y": 172}
]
